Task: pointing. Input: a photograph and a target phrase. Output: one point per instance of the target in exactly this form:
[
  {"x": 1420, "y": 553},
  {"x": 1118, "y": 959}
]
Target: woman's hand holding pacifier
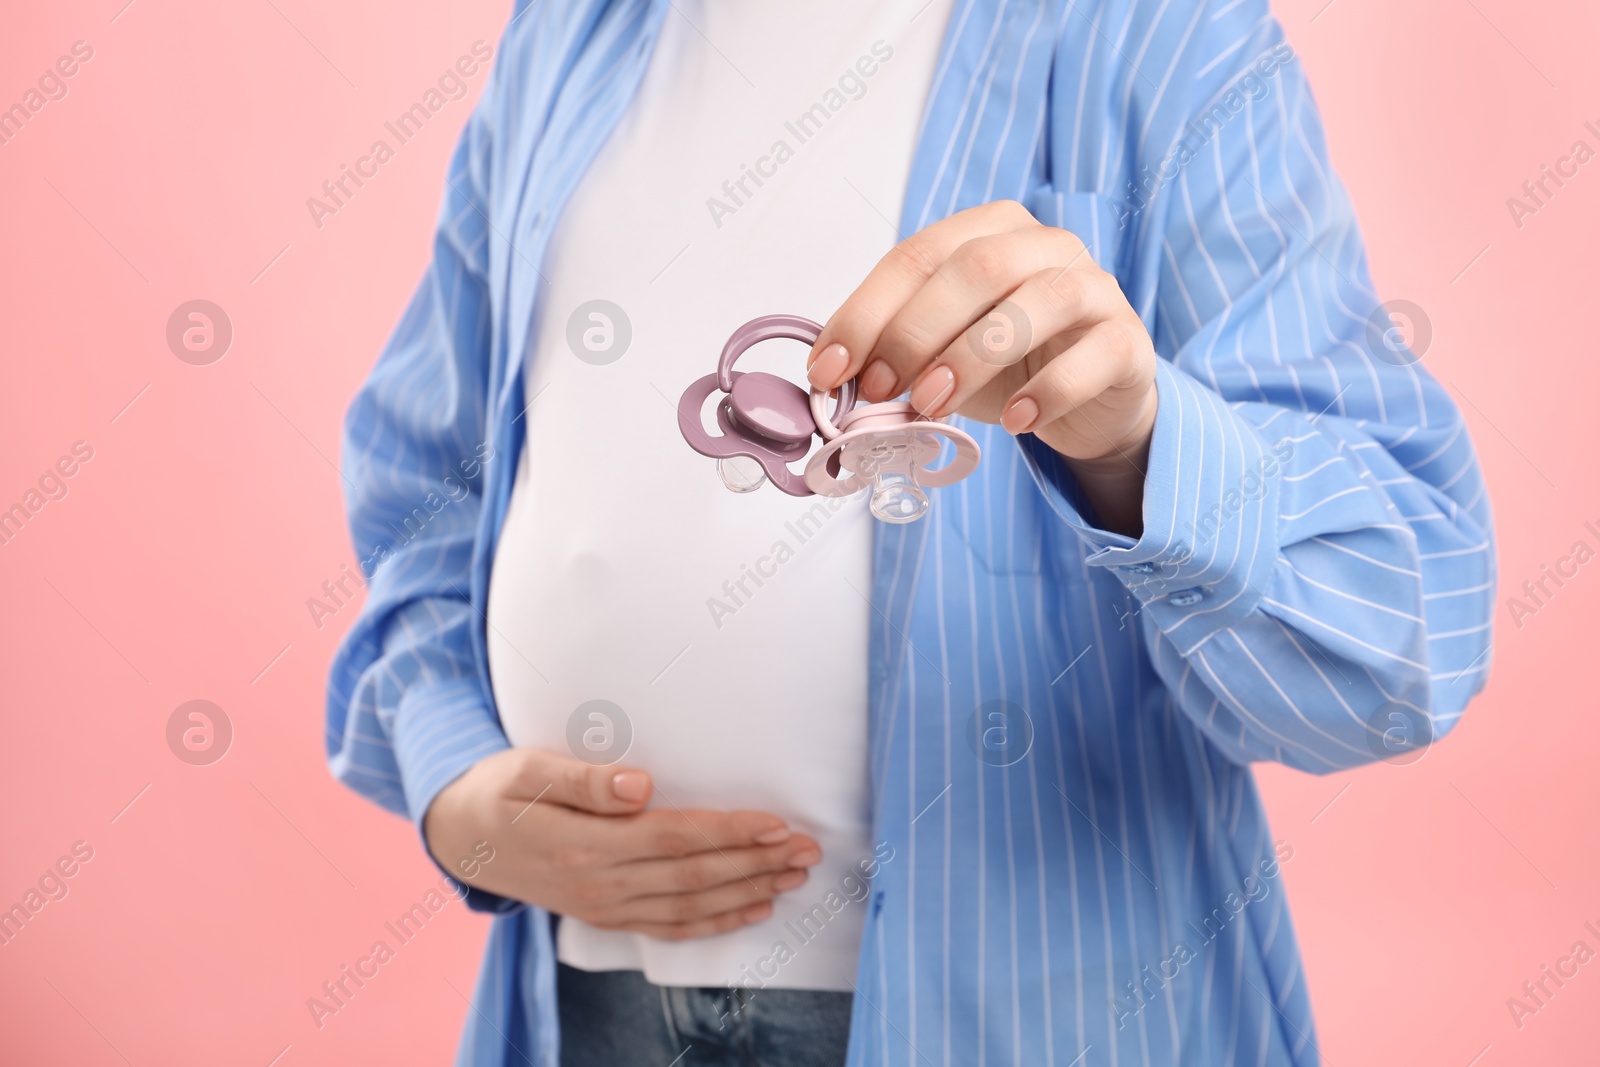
[{"x": 992, "y": 315}]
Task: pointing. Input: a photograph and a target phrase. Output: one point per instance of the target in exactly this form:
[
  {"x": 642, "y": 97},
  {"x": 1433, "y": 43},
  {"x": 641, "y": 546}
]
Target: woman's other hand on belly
[{"x": 576, "y": 839}]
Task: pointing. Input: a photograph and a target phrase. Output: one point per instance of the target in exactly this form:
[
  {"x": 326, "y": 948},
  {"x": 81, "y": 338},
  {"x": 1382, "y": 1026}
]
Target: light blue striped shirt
[{"x": 1313, "y": 585}]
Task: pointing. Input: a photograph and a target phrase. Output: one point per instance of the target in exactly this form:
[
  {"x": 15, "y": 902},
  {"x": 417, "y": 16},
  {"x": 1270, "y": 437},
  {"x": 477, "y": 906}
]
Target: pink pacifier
[{"x": 886, "y": 447}]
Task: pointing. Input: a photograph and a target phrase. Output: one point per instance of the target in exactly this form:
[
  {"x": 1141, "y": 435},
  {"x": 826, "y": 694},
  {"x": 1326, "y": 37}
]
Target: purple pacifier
[{"x": 762, "y": 416}]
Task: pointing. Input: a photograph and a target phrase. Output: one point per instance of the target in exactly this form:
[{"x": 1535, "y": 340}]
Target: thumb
[{"x": 572, "y": 783}]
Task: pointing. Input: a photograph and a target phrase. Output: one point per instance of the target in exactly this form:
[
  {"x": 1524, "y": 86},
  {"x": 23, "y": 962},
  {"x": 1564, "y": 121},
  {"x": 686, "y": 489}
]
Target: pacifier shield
[{"x": 772, "y": 406}]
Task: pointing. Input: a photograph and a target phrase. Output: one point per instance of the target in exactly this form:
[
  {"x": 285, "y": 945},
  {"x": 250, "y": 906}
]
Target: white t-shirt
[{"x": 759, "y": 170}]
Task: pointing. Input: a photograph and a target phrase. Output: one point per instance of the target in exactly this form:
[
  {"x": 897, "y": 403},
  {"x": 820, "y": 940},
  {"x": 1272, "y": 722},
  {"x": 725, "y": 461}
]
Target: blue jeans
[{"x": 617, "y": 1019}]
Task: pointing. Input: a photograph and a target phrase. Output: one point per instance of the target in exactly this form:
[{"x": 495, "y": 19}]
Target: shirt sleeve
[
  {"x": 1316, "y": 569},
  {"x": 408, "y": 710}
]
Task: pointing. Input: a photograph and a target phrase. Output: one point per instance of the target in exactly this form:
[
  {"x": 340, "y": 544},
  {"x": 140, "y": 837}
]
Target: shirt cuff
[
  {"x": 441, "y": 730},
  {"x": 1210, "y": 539}
]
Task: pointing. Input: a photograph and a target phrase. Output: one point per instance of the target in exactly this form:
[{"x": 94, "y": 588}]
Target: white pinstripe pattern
[{"x": 1361, "y": 573}]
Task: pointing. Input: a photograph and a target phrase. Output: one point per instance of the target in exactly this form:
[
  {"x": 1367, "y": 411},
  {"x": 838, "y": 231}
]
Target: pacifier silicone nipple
[
  {"x": 741, "y": 474},
  {"x": 896, "y": 496}
]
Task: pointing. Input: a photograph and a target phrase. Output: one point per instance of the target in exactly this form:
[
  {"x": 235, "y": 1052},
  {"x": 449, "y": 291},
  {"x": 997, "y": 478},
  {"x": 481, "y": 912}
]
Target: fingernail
[
  {"x": 791, "y": 880},
  {"x": 877, "y": 381},
  {"x": 773, "y": 837},
  {"x": 630, "y": 785},
  {"x": 758, "y": 913},
  {"x": 812, "y": 358},
  {"x": 1020, "y": 416},
  {"x": 933, "y": 388},
  {"x": 809, "y": 858},
  {"x": 829, "y": 367}
]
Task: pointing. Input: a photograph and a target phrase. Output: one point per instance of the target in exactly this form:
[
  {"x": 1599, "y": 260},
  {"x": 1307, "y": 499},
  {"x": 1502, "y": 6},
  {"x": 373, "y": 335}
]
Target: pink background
[{"x": 179, "y": 563}]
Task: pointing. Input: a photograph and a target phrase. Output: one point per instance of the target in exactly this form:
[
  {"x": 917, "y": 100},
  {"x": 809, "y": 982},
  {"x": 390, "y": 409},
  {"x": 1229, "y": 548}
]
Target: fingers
[
  {"x": 683, "y": 908},
  {"x": 701, "y": 895},
  {"x": 1104, "y": 357},
  {"x": 717, "y": 924},
  {"x": 659, "y": 834},
  {"x": 708, "y": 870},
  {"x": 936, "y": 318},
  {"x": 547, "y": 778},
  {"x": 848, "y": 338},
  {"x": 1046, "y": 311}
]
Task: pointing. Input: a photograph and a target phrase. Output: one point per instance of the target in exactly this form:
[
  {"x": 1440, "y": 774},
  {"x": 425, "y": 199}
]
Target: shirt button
[{"x": 1187, "y": 598}]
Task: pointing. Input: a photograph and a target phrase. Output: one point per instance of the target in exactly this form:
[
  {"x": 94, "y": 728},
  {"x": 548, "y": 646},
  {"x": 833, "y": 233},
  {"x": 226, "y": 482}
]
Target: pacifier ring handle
[
  {"x": 763, "y": 328},
  {"x": 793, "y": 328},
  {"x": 901, "y": 412},
  {"x": 819, "y": 409}
]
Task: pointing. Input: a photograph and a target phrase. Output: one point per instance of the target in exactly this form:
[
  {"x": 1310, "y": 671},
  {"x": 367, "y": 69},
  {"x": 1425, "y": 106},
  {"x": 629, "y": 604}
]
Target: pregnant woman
[{"x": 766, "y": 780}]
